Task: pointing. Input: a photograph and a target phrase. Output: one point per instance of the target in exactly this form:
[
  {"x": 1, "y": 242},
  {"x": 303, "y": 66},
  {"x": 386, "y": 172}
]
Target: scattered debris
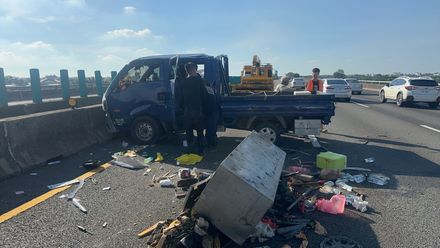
[
  {"x": 189, "y": 159},
  {"x": 356, "y": 202},
  {"x": 54, "y": 162},
  {"x": 357, "y": 169},
  {"x": 91, "y": 164},
  {"x": 335, "y": 205},
  {"x": 305, "y": 241},
  {"x": 331, "y": 160},
  {"x": 75, "y": 202},
  {"x": 148, "y": 160},
  {"x": 104, "y": 225},
  {"x": 378, "y": 179},
  {"x": 83, "y": 229},
  {"x": 106, "y": 188},
  {"x": 319, "y": 229},
  {"x": 179, "y": 195},
  {"x": 33, "y": 174},
  {"x": 124, "y": 145},
  {"x": 147, "y": 171},
  {"x": 369, "y": 160},
  {"x": 338, "y": 242},
  {"x": 184, "y": 173},
  {"x": 58, "y": 185},
  {"x": 159, "y": 157},
  {"x": 185, "y": 183},
  {"x": 19, "y": 192},
  {"x": 94, "y": 181},
  {"x": 166, "y": 183},
  {"x": 129, "y": 163},
  {"x": 72, "y": 193},
  {"x": 314, "y": 140}
]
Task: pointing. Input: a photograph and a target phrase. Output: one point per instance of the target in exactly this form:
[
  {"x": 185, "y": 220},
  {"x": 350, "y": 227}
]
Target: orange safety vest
[{"x": 310, "y": 85}]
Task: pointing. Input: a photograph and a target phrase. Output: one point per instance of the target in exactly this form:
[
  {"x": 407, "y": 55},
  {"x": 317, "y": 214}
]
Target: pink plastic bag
[{"x": 335, "y": 205}]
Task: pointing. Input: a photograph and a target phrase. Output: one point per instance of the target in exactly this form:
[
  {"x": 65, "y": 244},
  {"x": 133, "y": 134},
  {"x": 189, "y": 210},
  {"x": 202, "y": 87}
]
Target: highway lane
[{"x": 403, "y": 213}]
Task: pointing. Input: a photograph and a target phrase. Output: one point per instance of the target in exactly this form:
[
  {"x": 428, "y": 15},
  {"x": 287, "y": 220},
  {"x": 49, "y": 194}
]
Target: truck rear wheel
[
  {"x": 145, "y": 130},
  {"x": 269, "y": 131}
]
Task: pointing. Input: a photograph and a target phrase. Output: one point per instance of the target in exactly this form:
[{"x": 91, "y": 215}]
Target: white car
[
  {"x": 337, "y": 86},
  {"x": 298, "y": 83},
  {"x": 356, "y": 86},
  {"x": 406, "y": 90}
]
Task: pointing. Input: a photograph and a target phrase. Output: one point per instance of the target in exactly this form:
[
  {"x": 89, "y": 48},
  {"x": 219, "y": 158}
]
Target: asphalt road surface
[{"x": 405, "y": 143}]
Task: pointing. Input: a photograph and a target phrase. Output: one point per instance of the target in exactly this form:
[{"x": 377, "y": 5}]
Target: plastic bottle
[{"x": 335, "y": 205}]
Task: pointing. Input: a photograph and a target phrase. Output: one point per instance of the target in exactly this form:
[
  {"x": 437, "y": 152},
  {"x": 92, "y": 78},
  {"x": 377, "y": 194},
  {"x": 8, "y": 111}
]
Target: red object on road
[{"x": 335, "y": 205}]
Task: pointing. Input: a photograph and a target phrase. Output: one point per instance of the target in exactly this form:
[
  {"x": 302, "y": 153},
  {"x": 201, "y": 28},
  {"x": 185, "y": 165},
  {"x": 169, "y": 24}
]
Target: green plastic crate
[{"x": 331, "y": 160}]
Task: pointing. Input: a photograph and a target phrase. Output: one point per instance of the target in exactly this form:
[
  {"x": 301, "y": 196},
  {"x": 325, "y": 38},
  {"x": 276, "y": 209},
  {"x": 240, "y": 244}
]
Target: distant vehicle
[
  {"x": 356, "y": 86},
  {"x": 337, "y": 86},
  {"x": 405, "y": 90},
  {"x": 298, "y": 83}
]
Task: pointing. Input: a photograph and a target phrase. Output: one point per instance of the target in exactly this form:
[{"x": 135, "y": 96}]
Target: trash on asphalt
[
  {"x": 166, "y": 183},
  {"x": 159, "y": 157},
  {"x": 33, "y": 174},
  {"x": 129, "y": 163},
  {"x": 147, "y": 172},
  {"x": 148, "y": 160},
  {"x": 335, "y": 205},
  {"x": 189, "y": 159},
  {"x": 19, "y": 192},
  {"x": 58, "y": 185},
  {"x": 73, "y": 192},
  {"x": 124, "y": 145},
  {"x": 272, "y": 201},
  {"x": 76, "y": 203},
  {"x": 104, "y": 225},
  {"x": 91, "y": 163},
  {"x": 54, "y": 162},
  {"x": 106, "y": 188},
  {"x": 369, "y": 160},
  {"x": 83, "y": 229},
  {"x": 378, "y": 179}
]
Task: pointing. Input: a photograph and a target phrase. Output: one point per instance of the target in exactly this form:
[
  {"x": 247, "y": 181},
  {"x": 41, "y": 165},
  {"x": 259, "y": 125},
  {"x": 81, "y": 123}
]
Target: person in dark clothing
[
  {"x": 193, "y": 93},
  {"x": 211, "y": 113}
]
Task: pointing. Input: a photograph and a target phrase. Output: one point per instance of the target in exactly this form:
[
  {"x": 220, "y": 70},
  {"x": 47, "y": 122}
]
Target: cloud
[
  {"x": 145, "y": 52},
  {"x": 129, "y": 10},
  {"x": 128, "y": 33},
  {"x": 75, "y": 3},
  {"x": 33, "y": 45},
  {"x": 42, "y": 19}
]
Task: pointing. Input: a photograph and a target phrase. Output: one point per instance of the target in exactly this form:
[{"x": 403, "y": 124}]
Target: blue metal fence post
[
  {"x": 82, "y": 83},
  {"x": 36, "y": 86},
  {"x": 3, "y": 93},
  {"x": 65, "y": 84},
  {"x": 98, "y": 80},
  {"x": 114, "y": 73}
]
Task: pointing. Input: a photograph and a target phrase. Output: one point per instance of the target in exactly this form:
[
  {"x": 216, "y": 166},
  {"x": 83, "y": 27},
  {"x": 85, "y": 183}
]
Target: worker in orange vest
[{"x": 315, "y": 84}]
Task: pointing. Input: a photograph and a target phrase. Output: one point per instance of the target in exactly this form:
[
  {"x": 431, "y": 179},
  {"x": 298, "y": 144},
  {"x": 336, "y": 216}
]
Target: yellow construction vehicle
[{"x": 255, "y": 77}]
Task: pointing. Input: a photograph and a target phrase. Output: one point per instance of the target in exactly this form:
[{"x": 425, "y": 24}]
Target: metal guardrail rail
[{"x": 374, "y": 82}]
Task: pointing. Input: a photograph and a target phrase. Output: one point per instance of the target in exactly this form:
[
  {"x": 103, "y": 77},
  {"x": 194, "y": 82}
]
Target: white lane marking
[
  {"x": 430, "y": 128},
  {"x": 360, "y": 104}
]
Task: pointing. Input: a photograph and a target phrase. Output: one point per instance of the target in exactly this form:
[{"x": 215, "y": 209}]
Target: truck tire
[
  {"x": 145, "y": 130},
  {"x": 269, "y": 130}
]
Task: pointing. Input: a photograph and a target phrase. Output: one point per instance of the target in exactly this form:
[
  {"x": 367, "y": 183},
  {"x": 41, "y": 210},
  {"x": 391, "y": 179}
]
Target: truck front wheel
[
  {"x": 269, "y": 131},
  {"x": 145, "y": 130}
]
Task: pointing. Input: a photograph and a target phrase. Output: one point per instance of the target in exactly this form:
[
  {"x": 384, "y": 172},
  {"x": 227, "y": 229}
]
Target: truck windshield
[{"x": 140, "y": 74}]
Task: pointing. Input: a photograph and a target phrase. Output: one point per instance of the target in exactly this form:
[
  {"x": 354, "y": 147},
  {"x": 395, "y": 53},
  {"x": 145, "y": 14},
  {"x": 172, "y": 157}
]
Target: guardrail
[{"x": 64, "y": 90}]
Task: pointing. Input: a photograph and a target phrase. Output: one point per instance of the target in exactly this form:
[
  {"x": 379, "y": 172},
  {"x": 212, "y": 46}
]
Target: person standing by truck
[
  {"x": 283, "y": 86},
  {"x": 193, "y": 93},
  {"x": 315, "y": 84}
]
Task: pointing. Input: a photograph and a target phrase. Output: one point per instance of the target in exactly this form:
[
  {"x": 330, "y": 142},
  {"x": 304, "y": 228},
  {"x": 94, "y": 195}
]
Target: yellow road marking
[{"x": 37, "y": 200}]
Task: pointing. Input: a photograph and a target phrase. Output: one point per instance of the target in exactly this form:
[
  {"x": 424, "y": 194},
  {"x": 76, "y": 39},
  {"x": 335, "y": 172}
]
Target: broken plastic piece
[
  {"x": 147, "y": 171},
  {"x": 166, "y": 183},
  {"x": 319, "y": 229},
  {"x": 104, "y": 225},
  {"x": 58, "y": 185},
  {"x": 78, "y": 205},
  {"x": 106, "y": 188},
  {"x": 369, "y": 160},
  {"x": 72, "y": 193},
  {"x": 184, "y": 173},
  {"x": 189, "y": 159},
  {"x": 159, "y": 157},
  {"x": 19, "y": 192},
  {"x": 378, "y": 179},
  {"x": 356, "y": 202},
  {"x": 33, "y": 174},
  {"x": 91, "y": 163},
  {"x": 335, "y": 205},
  {"x": 54, "y": 162},
  {"x": 148, "y": 160},
  {"x": 343, "y": 185}
]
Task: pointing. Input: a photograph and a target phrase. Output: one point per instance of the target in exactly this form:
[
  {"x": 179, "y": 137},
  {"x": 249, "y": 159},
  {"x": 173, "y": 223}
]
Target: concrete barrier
[
  {"x": 32, "y": 108},
  {"x": 29, "y": 141}
]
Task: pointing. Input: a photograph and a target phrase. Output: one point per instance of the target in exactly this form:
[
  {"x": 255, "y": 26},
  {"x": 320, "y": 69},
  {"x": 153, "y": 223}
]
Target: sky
[{"x": 357, "y": 36}]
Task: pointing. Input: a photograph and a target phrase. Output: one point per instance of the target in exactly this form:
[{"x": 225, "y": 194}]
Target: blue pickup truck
[{"x": 140, "y": 101}]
